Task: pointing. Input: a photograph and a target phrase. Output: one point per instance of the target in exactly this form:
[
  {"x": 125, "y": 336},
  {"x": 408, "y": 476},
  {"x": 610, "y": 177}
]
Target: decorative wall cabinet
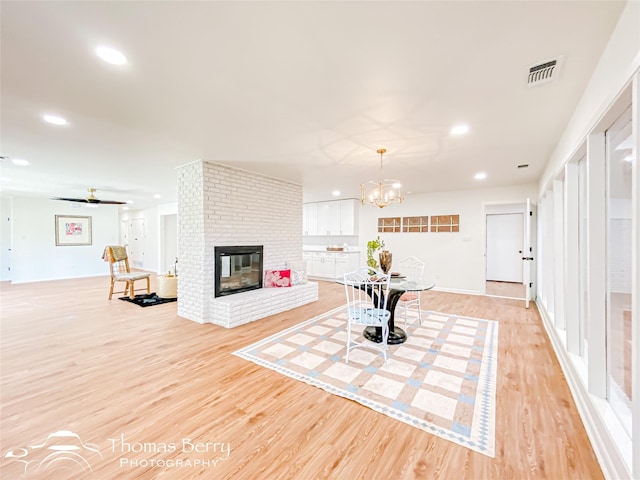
[
  {"x": 439, "y": 223},
  {"x": 338, "y": 217},
  {"x": 445, "y": 223},
  {"x": 415, "y": 224},
  {"x": 389, "y": 224}
]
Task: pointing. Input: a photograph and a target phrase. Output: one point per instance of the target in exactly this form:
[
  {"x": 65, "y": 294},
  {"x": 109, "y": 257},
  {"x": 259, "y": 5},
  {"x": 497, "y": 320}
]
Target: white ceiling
[{"x": 305, "y": 91}]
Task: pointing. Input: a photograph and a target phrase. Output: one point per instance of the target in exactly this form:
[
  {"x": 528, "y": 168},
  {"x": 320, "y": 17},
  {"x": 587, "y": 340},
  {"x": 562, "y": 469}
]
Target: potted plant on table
[{"x": 372, "y": 247}]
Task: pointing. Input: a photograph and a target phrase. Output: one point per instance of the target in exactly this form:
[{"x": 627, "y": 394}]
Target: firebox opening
[{"x": 238, "y": 269}]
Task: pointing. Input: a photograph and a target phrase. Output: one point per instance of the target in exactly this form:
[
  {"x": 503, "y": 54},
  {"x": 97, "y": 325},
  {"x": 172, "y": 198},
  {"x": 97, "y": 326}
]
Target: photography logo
[{"x": 62, "y": 450}]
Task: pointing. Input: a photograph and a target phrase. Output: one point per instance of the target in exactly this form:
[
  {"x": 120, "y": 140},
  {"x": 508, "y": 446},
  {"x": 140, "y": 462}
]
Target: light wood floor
[
  {"x": 506, "y": 289},
  {"x": 111, "y": 371}
]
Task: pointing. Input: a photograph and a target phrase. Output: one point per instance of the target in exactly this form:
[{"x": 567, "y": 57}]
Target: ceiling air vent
[{"x": 544, "y": 72}]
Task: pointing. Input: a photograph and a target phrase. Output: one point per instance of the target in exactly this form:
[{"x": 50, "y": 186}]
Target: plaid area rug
[{"x": 441, "y": 380}]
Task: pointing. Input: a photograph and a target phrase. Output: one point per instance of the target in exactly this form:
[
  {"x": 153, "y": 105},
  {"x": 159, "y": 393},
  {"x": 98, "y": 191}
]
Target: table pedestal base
[{"x": 396, "y": 336}]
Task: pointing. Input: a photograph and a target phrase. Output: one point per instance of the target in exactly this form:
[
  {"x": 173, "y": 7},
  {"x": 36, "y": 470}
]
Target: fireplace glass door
[{"x": 238, "y": 269}]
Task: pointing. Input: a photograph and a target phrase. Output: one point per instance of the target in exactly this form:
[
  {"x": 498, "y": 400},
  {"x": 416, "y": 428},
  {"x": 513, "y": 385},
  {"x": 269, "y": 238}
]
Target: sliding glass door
[
  {"x": 619, "y": 141},
  {"x": 583, "y": 258}
]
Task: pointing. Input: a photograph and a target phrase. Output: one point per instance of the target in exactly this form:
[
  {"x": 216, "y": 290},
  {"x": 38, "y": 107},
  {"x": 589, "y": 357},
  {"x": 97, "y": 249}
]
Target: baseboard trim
[
  {"x": 611, "y": 461},
  {"x": 455, "y": 290},
  {"x": 72, "y": 277}
]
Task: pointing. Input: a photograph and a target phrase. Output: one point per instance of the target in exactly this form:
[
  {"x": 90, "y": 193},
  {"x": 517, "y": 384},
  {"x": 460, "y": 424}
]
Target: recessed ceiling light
[
  {"x": 54, "y": 119},
  {"x": 480, "y": 176},
  {"x": 459, "y": 130},
  {"x": 157, "y": 195},
  {"x": 129, "y": 201},
  {"x": 111, "y": 55},
  {"x": 20, "y": 162},
  {"x": 335, "y": 193}
]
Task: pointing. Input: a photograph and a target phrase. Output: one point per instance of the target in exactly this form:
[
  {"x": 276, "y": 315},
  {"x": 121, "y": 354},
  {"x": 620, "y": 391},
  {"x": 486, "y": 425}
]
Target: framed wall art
[{"x": 73, "y": 230}]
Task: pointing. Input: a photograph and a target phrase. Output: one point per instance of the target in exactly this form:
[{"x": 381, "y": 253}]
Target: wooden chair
[
  {"x": 366, "y": 290},
  {"x": 120, "y": 271}
]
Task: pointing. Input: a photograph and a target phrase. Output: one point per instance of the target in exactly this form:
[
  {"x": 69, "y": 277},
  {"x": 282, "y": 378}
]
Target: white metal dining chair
[
  {"x": 413, "y": 269},
  {"x": 366, "y": 290}
]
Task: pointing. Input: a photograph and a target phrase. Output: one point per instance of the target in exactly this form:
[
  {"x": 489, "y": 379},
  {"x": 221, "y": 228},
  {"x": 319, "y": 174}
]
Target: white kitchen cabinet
[
  {"x": 338, "y": 217},
  {"x": 343, "y": 264},
  {"x": 307, "y": 260},
  {"x": 331, "y": 265},
  {"x": 353, "y": 262},
  {"x": 348, "y": 217},
  {"x": 310, "y": 218},
  {"x": 335, "y": 228},
  {"x": 323, "y": 265},
  {"x": 324, "y": 218}
]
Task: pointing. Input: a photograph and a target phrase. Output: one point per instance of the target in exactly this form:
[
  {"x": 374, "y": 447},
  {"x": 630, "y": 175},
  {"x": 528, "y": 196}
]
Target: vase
[{"x": 385, "y": 261}]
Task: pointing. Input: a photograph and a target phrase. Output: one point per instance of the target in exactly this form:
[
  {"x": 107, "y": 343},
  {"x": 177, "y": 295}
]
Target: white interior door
[
  {"x": 124, "y": 233},
  {"x": 169, "y": 242},
  {"x": 136, "y": 241},
  {"x": 504, "y": 247},
  {"x": 5, "y": 240},
  {"x": 527, "y": 255}
]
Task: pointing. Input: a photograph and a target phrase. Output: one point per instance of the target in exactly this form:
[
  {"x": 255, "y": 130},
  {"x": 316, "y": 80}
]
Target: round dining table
[{"x": 397, "y": 287}]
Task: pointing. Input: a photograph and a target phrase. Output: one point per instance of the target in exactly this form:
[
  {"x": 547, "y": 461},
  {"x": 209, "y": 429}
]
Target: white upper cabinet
[
  {"x": 338, "y": 217},
  {"x": 324, "y": 219},
  {"x": 348, "y": 217},
  {"x": 334, "y": 218},
  {"x": 310, "y": 218}
]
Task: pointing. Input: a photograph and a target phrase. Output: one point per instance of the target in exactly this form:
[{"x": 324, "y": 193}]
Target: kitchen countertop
[{"x": 324, "y": 249}]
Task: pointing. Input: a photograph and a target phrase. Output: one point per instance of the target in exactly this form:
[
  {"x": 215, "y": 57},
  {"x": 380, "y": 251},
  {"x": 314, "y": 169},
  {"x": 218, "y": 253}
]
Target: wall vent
[{"x": 544, "y": 72}]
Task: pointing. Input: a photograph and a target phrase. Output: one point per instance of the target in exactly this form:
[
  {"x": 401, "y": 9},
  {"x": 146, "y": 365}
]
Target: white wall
[
  {"x": 153, "y": 234},
  {"x": 605, "y": 97},
  {"x": 34, "y": 254},
  {"x": 169, "y": 245},
  {"x": 5, "y": 238},
  {"x": 456, "y": 260},
  {"x": 619, "y": 61}
]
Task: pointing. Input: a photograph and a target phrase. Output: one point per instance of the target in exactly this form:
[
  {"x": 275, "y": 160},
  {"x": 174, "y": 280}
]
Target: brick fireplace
[{"x": 218, "y": 206}]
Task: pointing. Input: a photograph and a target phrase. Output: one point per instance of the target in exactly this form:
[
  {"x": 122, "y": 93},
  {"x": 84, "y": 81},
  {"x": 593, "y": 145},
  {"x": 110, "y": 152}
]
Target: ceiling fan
[{"x": 91, "y": 198}]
